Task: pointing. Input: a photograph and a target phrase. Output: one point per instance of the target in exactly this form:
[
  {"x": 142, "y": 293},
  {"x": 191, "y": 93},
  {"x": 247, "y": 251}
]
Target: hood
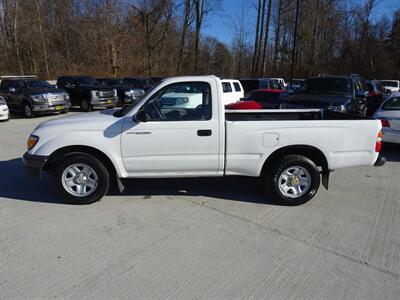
[
  {"x": 311, "y": 100},
  {"x": 93, "y": 121},
  {"x": 43, "y": 91}
]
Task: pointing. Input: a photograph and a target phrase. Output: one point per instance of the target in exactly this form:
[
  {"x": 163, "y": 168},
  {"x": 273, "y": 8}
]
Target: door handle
[{"x": 204, "y": 132}]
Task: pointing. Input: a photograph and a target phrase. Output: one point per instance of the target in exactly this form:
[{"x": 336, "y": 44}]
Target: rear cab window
[
  {"x": 226, "y": 87},
  {"x": 237, "y": 87}
]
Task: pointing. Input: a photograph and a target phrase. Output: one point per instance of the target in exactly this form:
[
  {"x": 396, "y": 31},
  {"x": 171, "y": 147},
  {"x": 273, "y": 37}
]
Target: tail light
[
  {"x": 378, "y": 144},
  {"x": 385, "y": 122}
]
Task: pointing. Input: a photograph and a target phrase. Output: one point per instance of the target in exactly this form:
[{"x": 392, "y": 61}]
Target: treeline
[{"x": 165, "y": 38}]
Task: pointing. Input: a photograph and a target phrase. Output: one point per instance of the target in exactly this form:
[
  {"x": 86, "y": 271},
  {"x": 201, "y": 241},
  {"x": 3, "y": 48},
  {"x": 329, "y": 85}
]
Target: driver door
[{"x": 180, "y": 137}]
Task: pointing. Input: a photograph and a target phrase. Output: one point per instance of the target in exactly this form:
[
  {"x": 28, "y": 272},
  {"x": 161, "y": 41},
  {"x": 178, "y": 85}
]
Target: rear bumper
[
  {"x": 380, "y": 161},
  {"x": 34, "y": 164}
]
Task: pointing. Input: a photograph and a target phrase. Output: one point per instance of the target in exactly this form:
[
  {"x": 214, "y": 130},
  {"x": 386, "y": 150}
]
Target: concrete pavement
[{"x": 198, "y": 238}]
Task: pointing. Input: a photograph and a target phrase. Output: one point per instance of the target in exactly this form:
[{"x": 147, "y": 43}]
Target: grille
[
  {"x": 106, "y": 94},
  {"x": 55, "y": 98}
]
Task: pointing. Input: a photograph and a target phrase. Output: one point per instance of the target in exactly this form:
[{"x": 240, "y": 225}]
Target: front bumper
[
  {"x": 390, "y": 136},
  {"x": 104, "y": 102},
  {"x": 380, "y": 161},
  {"x": 49, "y": 108},
  {"x": 34, "y": 164}
]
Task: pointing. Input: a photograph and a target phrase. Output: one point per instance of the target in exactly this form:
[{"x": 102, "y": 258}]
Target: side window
[
  {"x": 184, "y": 101},
  {"x": 237, "y": 87},
  {"x": 226, "y": 87}
]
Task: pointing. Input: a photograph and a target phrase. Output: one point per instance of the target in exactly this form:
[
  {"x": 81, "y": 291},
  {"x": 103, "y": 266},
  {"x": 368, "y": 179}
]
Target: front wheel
[
  {"x": 28, "y": 111},
  {"x": 294, "y": 180},
  {"x": 80, "y": 179},
  {"x": 85, "y": 106}
]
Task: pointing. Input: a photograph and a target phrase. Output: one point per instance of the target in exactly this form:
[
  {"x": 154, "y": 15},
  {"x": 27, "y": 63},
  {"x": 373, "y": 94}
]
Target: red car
[{"x": 260, "y": 99}]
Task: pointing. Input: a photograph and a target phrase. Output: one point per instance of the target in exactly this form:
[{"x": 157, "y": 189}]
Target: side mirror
[
  {"x": 140, "y": 117},
  {"x": 12, "y": 89}
]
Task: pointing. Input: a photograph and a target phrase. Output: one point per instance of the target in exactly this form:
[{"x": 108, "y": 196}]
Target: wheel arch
[
  {"x": 67, "y": 150},
  {"x": 311, "y": 152}
]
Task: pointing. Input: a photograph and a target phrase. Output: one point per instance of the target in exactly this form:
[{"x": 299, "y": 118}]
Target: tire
[
  {"x": 28, "y": 111},
  {"x": 85, "y": 106},
  {"x": 301, "y": 187},
  {"x": 90, "y": 183}
]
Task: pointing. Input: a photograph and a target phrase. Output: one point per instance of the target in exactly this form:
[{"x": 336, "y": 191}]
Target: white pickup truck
[{"x": 291, "y": 149}]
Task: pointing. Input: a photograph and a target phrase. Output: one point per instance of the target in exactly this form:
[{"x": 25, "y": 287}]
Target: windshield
[
  {"x": 297, "y": 82},
  {"x": 392, "y": 104},
  {"x": 127, "y": 108},
  {"x": 391, "y": 83},
  {"x": 112, "y": 82},
  {"x": 36, "y": 84},
  {"x": 87, "y": 81},
  {"x": 334, "y": 86}
]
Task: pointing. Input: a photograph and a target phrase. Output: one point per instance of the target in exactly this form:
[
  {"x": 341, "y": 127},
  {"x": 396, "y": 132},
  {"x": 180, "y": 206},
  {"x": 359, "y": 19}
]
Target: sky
[{"x": 219, "y": 22}]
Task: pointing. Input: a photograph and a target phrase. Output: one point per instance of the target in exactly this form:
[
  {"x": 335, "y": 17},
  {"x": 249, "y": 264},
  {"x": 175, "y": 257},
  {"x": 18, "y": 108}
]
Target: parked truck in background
[
  {"x": 33, "y": 96},
  {"x": 292, "y": 150},
  {"x": 87, "y": 92}
]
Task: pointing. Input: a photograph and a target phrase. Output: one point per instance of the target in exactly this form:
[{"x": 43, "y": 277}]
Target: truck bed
[{"x": 252, "y": 136}]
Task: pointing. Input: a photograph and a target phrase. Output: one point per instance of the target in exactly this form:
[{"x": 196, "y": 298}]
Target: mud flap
[
  {"x": 121, "y": 186},
  {"x": 325, "y": 179}
]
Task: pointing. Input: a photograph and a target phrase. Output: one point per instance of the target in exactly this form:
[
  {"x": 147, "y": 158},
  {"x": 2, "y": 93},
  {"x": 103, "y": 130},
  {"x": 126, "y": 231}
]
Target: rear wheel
[
  {"x": 80, "y": 179},
  {"x": 293, "y": 180}
]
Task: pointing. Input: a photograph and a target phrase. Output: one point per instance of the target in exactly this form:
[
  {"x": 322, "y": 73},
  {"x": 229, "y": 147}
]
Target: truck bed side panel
[{"x": 345, "y": 143}]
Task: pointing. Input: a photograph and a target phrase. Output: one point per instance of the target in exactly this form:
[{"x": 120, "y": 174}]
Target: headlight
[
  {"x": 2, "y": 101},
  {"x": 66, "y": 96},
  {"x": 339, "y": 108},
  {"x": 137, "y": 92},
  {"x": 32, "y": 141},
  {"x": 39, "y": 98},
  {"x": 115, "y": 92}
]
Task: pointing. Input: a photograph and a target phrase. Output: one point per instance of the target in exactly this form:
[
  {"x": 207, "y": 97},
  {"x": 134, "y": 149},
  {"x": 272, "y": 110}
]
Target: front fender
[{"x": 110, "y": 146}]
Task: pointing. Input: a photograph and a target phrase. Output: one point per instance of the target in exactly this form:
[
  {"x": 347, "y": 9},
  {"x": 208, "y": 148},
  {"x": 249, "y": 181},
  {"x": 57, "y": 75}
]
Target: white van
[{"x": 232, "y": 91}]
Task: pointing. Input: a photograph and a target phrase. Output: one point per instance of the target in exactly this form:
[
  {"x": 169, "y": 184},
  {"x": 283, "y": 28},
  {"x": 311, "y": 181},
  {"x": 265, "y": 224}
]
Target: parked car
[
  {"x": 87, "y": 92},
  {"x": 33, "y": 96},
  {"x": 290, "y": 150},
  {"x": 140, "y": 82},
  {"x": 260, "y": 99},
  {"x": 232, "y": 90},
  {"x": 126, "y": 93},
  {"x": 251, "y": 84},
  {"x": 338, "y": 93},
  {"x": 157, "y": 80},
  {"x": 4, "y": 112},
  {"x": 391, "y": 86},
  {"x": 389, "y": 114},
  {"x": 376, "y": 96}
]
